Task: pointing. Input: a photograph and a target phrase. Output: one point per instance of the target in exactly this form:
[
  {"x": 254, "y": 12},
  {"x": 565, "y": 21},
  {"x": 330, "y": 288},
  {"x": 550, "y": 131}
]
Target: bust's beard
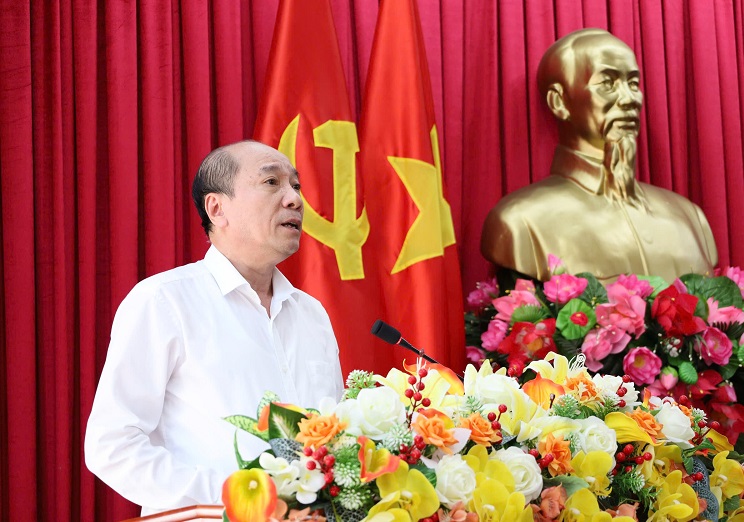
[{"x": 619, "y": 183}]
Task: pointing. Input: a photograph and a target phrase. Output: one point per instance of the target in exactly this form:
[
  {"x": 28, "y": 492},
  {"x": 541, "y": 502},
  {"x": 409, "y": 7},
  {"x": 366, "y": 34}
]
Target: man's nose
[
  {"x": 628, "y": 97},
  {"x": 292, "y": 198}
]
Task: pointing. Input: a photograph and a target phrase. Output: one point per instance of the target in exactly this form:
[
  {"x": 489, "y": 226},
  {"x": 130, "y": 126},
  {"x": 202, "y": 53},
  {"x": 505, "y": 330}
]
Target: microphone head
[{"x": 386, "y": 332}]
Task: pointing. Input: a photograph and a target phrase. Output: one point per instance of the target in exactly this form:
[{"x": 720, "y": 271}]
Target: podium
[{"x": 186, "y": 514}]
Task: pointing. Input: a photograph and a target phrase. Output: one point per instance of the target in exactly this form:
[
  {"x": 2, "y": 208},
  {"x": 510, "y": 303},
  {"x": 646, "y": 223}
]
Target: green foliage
[
  {"x": 268, "y": 398},
  {"x": 722, "y": 289},
  {"x": 247, "y": 424},
  {"x": 283, "y": 422},
  {"x": 595, "y": 292},
  {"x": 687, "y": 372},
  {"x": 529, "y": 314},
  {"x": 357, "y": 381},
  {"x": 656, "y": 282}
]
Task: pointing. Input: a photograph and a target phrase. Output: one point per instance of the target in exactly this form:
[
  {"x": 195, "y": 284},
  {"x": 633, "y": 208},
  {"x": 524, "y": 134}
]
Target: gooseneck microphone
[{"x": 390, "y": 335}]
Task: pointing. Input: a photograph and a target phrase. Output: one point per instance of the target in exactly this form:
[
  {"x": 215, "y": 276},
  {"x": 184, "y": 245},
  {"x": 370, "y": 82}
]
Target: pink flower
[
  {"x": 562, "y": 288},
  {"x": 725, "y": 315},
  {"x": 736, "y": 274},
  {"x": 523, "y": 294},
  {"x": 475, "y": 355},
  {"x": 555, "y": 265},
  {"x": 484, "y": 293},
  {"x": 625, "y": 311},
  {"x": 716, "y": 348},
  {"x": 668, "y": 377},
  {"x": 635, "y": 286},
  {"x": 642, "y": 365},
  {"x": 602, "y": 342},
  {"x": 491, "y": 338}
]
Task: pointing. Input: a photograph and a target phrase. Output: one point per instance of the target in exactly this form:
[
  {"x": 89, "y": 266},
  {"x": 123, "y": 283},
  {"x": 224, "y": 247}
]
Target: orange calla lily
[
  {"x": 456, "y": 385},
  {"x": 249, "y": 495},
  {"x": 540, "y": 390},
  {"x": 374, "y": 461}
]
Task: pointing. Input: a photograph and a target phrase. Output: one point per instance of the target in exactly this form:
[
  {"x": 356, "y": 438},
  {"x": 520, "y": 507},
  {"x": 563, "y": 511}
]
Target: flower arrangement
[
  {"x": 684, "y": 340},
  {"x": 421, "y": 445}
]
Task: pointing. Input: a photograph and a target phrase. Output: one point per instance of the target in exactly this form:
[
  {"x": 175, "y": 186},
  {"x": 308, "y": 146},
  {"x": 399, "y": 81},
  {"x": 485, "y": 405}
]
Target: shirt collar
[
  {"x": 228, "y": 278},
  {"x": 584, "y": 170}
]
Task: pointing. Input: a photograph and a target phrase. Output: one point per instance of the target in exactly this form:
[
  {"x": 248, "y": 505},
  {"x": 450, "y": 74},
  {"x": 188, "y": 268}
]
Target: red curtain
[{"x": 106, "y": 109}]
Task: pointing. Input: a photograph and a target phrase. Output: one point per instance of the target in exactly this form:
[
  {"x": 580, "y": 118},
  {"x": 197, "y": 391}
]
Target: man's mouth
[{"x": 295, "y": 224}]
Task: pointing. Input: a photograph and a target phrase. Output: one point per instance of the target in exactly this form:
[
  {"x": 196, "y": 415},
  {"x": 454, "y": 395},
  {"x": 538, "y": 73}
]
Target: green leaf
[
  {"x": 565, "y": 324},
  {"x": 283, "y": 422},
  {"x": 740, "y": 353},
  {"x": 528, "y": 314},
  {"x": 731, "y": 504},
  {"x": 730, "y": 369},
  {"x": 571, "y": 483},
  {"x": 687, "y": 372},
  {"x": 722, "y": 289},
  {"x": 595, "y": 292},
  {"x": 268, "y": 397},
  {"x": 247, "y": 424}
]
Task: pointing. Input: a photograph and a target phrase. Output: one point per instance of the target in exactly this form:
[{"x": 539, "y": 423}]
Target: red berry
[
  {"x": 311, "y": 465},
  {"x": 621, "y": 391},
  {"x": 715, "y": 425},
  {"x": 701, "y": 424},
  {"x": 683, "y": 400},
  {"x": 417, "y": 439},
  {"x": 415, "y": 454},
  {"x": 628, "y": 469},
  {"x": 502, "y": 408},
  {"x": 321, "y": 452},
  {"x": 699, "y": 476},
  {"x": 621, "y": 403},
  {"x": 420, "y": 444},
  {"x": 639, "y": 460},
  {"x": 334, "y": 491},
  {"x": 548, "y": 458},
  {"x": 647, "y": 456},
  {"x": 417, "y": 396},
  {"x": 426, "y": 402},
  {"x": 423, "y": 372},
  {"x": 620, "y": 456},
  {"x": 495, "y": 425},
  {"x": 412, "y": 379},
  {"x": 307, "y": 451},
  {"x": 421, "y": 385},
  {"x": 626, "y": 378},
  {"x": 491, "y": 416},
  {"x": 614, "y": 472},
  {"x": 329, "y": 460},
  {"x": 408, "y": 393},
  {"x": 404, "y": 448},
  {"x": 534, "y": 452},
  {"x": 628, "y": 449},
  {"x": 328, "y": 477}
]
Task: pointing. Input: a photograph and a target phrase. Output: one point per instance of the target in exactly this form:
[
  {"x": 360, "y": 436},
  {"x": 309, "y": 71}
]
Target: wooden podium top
[{"x": 187, "y": 514}]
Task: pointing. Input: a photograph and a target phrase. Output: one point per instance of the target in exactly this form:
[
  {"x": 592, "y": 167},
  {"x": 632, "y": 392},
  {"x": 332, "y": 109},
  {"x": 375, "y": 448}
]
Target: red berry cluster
[
  {"x": 433, "y": 518},
  {"x": 417, "y": 385},
  {"x": 412, "y": 454},
  {"x": 494, "y": 420},
  {"x": 622, "y": 390},
  {"x": 320, "y": 458},
  {"x": 704, "y": 427},
  {"x": 697, "y": 476},
  {"x": 624, "y": 459},
  {"x": 542, "y": 462}
]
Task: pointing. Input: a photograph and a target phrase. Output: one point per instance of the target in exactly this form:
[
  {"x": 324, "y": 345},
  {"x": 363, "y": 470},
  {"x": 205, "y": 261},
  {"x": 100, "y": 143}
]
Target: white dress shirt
[{"x": 189, "y": 347}]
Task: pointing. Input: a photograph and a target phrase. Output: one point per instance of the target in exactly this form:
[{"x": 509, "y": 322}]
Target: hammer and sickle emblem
[{"x": 346, "y": 234}]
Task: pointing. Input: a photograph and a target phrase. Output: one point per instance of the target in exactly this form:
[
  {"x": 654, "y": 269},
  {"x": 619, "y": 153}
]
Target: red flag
[
  {"x": 412, "y": 231},
  {"x": 305, "y": 113}
]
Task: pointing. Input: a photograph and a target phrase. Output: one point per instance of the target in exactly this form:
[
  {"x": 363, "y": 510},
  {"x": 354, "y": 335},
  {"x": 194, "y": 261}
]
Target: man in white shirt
[{"x": 195, "y": 344}]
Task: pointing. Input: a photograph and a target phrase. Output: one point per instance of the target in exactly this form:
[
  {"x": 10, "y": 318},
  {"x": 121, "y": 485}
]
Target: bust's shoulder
[
  {"x": 531, "y": 199},
  {"x": 667, "y": 198}
]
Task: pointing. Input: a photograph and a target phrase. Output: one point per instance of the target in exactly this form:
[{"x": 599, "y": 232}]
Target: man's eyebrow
[{"x": 270, "y": 168}]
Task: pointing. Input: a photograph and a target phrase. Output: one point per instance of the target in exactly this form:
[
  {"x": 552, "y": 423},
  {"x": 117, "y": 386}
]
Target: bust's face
[{"x": 605, "y": 99}]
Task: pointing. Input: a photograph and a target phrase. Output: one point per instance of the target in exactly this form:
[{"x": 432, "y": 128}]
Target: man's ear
[
  {"x": 556, "y": 103},
  {"x": 213, "y": 204}
]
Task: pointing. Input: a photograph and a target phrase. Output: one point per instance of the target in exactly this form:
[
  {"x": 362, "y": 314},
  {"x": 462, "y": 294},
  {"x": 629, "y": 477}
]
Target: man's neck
[{"x": 258, "y": 275}]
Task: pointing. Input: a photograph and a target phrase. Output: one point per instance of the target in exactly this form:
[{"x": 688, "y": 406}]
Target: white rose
[
  {"x": 376, "y": 411},
  {"x": 455, "y": 480},
  {"x": 595, "y": 435},
  {"x": 608, "y": 385},
  {"x": 525, "y": 470},
  {"x": 675, "y": 425}
]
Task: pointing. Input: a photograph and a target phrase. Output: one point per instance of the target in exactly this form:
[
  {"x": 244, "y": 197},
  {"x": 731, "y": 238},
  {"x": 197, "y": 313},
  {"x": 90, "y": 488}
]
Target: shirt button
[{"x": 285, "y": 369}]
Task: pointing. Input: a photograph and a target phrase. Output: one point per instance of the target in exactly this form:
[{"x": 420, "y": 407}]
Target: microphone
[{"x": 390, "y": 335}]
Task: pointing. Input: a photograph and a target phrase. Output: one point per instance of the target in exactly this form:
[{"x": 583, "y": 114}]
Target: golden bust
[{"x": 591, "y": 211}]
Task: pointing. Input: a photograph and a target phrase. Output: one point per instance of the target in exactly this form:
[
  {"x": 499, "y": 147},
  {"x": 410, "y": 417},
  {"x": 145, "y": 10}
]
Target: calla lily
[
  {"x": 492, "y": 502},
  {"x": 676, "y": 500},
  {"x": 374, "y": 461},
  {"x": 626, "y": 428},
  {"x": 594, "y": 467},
  {"x": 408, "y": 490},
  {"x": 249, "y": 495},
  {"x": 543, "y": 391}
]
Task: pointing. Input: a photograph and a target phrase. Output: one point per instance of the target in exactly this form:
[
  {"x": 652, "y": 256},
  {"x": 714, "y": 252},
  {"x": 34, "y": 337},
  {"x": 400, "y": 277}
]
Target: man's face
[
  {"x": 266, "y": 210},
  {"x": 605, "y": 99}
]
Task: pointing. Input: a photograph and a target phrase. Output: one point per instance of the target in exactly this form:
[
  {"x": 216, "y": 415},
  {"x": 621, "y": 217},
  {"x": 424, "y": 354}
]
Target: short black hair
[{"x": 216, "y": 175}]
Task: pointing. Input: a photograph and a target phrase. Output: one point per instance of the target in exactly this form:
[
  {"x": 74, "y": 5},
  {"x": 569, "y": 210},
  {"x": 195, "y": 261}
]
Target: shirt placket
[{"x": 284, "y": 366}]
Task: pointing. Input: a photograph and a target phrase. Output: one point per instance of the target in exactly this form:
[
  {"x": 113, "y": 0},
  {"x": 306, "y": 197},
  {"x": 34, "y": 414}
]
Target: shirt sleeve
[{"x": 120, "y": 446}]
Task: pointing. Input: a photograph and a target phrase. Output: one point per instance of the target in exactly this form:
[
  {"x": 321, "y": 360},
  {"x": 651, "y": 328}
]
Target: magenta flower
[
  {"x": 668, "y": 377},
  {"x": 475, "y": 355},
  {"x": 524, "y": 285},
  {"x": 625, "y": 311},
  {"x": 491, "y": 338},
  {"x": 564, "y": 287},
  {"x": 484, "y": 293},
  {"x": 635, "y": 286},
  {"x": 716, "y": 348},
  {"x": 603, "y": 342},
  {"x": 642, "y": 365},
  {"x": 555, "y": 265},
  {"x": 725, "y": 315}
]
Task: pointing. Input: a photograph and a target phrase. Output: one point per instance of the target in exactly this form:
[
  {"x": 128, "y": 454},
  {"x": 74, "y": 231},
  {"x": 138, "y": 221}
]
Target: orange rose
[
  {"x": 481, "y": 431},
  {"x": 434, "y": 432},
  {"x": 561, "y": 451},
  {"x": 647, "y": 423},
  {"x": 625, "y": 510},
  {"x": 317, "y": 430},
  {"x": 552, "y": 501}
]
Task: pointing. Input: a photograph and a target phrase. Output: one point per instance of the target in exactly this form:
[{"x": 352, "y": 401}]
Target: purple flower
[
  {"x": 564, "y": 287},
  {"x": 642, "y": 365},
  {"x": 475, "y": 355}
]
